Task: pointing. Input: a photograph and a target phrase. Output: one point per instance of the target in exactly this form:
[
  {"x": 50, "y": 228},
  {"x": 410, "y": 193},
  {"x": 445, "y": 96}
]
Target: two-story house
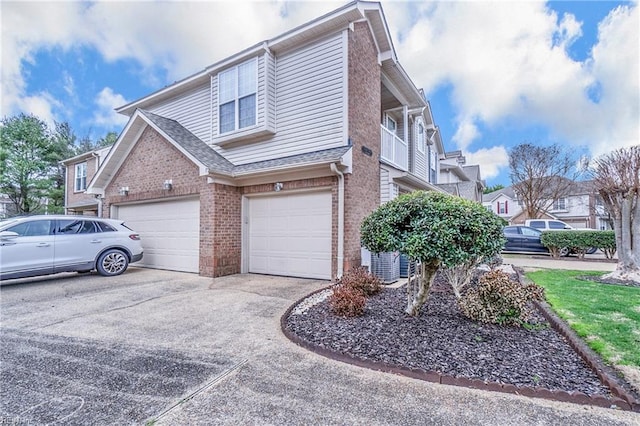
[
  {"x": 79, "y": 172},
  {"x": 580, "y": 207},
  {"x": 267, "y": 161}
]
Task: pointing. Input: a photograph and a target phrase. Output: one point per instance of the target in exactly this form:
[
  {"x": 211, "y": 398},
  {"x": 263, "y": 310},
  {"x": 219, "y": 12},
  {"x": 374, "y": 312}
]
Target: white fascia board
[{"x": 100, "y": 181}]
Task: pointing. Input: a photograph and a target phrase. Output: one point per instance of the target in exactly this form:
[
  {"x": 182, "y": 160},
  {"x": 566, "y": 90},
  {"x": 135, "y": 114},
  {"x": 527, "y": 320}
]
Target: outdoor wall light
[
  {"x": 278, "y": 186},
  {"x": 168, "y": 184},
  {"x": 124, "y": 190}
]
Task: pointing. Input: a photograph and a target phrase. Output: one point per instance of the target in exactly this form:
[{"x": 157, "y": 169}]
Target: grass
[{"x": 606, "y": 316}]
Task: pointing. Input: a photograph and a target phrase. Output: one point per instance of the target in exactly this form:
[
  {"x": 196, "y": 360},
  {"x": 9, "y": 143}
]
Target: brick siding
[
  {"x": 77, "y": 197},
  {"x": 362, "y": 187}
]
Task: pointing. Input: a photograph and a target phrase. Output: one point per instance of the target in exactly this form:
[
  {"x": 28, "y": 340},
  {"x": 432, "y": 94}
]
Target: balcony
[{"x": 394, "y": 151}]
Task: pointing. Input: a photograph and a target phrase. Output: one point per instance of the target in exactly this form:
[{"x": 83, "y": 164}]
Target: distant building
[
  {"x": 580, "y": 208},
  {"x": 459, "y": 179}
]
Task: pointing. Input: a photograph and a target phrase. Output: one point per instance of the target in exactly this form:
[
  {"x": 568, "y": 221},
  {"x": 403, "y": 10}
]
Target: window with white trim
[
  {"x": 560, "y": 204},
  {"x": 81, "y": 177},
  {"x": 391, "y": 124},
  {"x": 237, "y": 88},
  {"x": 421, "y": 138}
]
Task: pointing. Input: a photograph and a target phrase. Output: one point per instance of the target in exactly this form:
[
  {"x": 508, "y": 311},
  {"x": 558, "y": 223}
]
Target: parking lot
[{"x": 173, "y": 348}]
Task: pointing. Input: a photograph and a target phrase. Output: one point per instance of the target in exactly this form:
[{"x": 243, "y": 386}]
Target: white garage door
[
  {"x": 291, "y": 235},
  {"x": 170, "y": 232}
]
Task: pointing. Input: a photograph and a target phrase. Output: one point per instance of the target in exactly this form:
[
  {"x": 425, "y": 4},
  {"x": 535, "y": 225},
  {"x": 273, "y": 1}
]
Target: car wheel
[
  {"x": 592, "y": 250},
  {"x": 564, "y": 251},
  {"x": 112, "y": 262}
]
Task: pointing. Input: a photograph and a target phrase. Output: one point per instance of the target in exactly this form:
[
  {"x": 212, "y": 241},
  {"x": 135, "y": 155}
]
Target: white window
[
  {"x": 237, "y": 89},
  {"x": 391, "y": 124},
  {"x": 560, "y": 204},
  {"x": 421, "y": 138},
  {"x": 433, "y": 165},
  {"x": 81, "y": 177}
]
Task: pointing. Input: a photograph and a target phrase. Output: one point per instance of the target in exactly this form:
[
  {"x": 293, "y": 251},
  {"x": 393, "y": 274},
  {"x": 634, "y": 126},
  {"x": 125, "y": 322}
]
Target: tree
[
  {"x": 434, "y": 230},
  {"x": 617, "y": 180},
  {"x": 541, "y": 175},
  {"x": 27, "y": 160},
  {"x": 493, "y": 188},
  {"x": 63, "y": 140}
]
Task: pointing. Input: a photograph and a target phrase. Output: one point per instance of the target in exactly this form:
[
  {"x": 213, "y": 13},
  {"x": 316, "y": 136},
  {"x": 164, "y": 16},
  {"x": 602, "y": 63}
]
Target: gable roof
[
  {"x": 492, "y": 196},
  {"x": 208, "y": 160},
  {"x": 190, "y": 143}
]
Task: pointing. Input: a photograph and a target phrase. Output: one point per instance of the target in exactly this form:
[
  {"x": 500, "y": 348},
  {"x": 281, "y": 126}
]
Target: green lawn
[{"x": 607, "y": 317}]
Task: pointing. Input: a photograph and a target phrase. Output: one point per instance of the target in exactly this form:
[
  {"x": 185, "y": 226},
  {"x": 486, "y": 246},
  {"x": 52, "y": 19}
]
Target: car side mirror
[{"x": 8, "y": 235}]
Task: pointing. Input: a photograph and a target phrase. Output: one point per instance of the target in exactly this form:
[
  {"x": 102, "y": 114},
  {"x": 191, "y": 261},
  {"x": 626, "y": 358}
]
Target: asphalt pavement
[{"x": 159, "y": 347}]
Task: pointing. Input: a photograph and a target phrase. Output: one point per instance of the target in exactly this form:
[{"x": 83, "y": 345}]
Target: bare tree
[
  {"x": 541, "y": 175},
  {"x": 617, "y": 179}
]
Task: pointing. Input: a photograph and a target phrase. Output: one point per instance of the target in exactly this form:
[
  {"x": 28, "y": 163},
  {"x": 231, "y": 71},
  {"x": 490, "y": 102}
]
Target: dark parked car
[{"x": 523, "y": 239}]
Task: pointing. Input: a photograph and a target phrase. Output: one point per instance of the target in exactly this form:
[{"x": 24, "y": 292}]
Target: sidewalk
[{"x": 589, "y": 263}]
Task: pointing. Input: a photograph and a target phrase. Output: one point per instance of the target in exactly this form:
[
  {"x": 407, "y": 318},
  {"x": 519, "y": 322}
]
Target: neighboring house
[
  {"x": 503, "y": 202},
  {"x": 79, "y": 172},
  {"x": 459, "y": 179},
  {"x": 267, "y": 161},
  {"x": 7, "y": 207},
  {"x": 580, "y": 208}
]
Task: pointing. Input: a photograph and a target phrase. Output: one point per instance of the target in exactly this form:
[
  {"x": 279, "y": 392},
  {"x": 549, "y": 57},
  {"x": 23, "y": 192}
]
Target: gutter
[{"x": 340, "y": 256}]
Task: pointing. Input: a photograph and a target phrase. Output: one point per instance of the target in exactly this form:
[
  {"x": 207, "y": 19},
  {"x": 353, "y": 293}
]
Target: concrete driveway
[{"x": 160, "y": 347}]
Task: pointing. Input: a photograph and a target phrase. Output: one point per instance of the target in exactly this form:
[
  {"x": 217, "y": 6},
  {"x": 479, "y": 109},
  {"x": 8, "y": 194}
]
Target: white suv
[
  {"x": 546, "y": 224},
  {"x": 41, "y": 245}
]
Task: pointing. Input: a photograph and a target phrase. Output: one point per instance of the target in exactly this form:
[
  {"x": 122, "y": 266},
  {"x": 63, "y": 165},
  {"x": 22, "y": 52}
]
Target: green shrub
[
  {"x": 500, "y": 300},
  {"x": 347, "y": 301},
  {"x": 579, "y": 241},
  {"x": 362, "y": 280}
]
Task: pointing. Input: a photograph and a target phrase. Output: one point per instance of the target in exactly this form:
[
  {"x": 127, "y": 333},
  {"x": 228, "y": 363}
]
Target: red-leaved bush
[{"x": 347, "y": 301}]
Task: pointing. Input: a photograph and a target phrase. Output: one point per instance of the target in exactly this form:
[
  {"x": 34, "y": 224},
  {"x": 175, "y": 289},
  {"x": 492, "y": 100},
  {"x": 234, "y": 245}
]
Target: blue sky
[{"x": 496, "y": 73}]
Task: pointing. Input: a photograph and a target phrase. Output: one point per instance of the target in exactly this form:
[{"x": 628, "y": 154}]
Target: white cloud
[
  {"x": 179, "y": 38},
  {"x": 492, "y": 160},
  {"x": 509, "y": 60},
  {"x": 105, "y": 116},
  {"x": 503, "y": 60}
]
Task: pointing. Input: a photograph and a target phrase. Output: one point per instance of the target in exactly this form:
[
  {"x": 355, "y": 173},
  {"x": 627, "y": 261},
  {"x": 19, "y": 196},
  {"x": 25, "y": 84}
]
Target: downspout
[{"x": 340, "y": 175}]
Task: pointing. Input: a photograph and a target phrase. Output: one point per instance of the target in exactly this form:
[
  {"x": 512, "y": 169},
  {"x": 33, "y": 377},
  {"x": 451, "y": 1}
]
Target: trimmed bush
[
  {"x": 347, "y": 301},
  {"x": 500, "y": 300},
  {"x": 579, "y": 241},
  {"x": 362, "y": 280}
]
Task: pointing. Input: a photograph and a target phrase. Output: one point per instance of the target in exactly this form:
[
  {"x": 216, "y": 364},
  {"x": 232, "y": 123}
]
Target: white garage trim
[
  {"x": 169, "y": 229},
  {"x": 288, "y": 234}
]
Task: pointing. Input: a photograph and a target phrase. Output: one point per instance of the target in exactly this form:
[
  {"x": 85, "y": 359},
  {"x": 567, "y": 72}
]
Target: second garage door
[
  {"x": 170, "y": 232},
  {"x": 291, "y": 235}
]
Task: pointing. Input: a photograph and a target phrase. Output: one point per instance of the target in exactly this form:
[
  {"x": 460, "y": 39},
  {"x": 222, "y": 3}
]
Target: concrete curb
[{"x": 621, "y": 399}]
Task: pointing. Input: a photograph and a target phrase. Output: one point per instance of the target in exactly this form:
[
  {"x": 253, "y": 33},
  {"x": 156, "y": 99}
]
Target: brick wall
[
  {"x": 74, "y": 197},
  {"x": 150, "y": 163},
  {"x": 362, "y": 187},
  {"x": 153, "y": 160}
]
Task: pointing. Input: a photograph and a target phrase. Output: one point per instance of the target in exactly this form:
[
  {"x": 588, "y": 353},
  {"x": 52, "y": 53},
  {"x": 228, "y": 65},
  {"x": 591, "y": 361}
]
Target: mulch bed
[{"x": 444, "y": 341}]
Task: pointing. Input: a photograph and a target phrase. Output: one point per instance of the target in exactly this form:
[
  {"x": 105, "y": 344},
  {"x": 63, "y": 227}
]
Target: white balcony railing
[{"x": 394, "y": 149}]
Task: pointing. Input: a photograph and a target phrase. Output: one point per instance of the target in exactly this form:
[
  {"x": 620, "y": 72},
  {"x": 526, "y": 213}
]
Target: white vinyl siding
[
  {"x": 192, "y": 110},
  {"x": 310, "y": 109},
  {"x": 384, "y": 186}
]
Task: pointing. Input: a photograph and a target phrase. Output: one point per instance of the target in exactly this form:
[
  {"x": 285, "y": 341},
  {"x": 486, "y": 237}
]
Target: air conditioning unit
[
  {"x": 404, "y": 264},
  {"x": 386, "y": 266}
]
